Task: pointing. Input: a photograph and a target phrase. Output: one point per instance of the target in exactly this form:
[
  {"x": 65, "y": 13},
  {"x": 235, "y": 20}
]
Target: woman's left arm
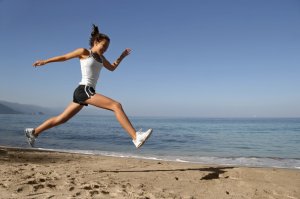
[{"x": 113, "y": 66}]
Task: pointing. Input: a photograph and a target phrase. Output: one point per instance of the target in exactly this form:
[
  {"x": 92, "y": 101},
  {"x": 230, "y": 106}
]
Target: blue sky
[{"x": 212, "y": 58}]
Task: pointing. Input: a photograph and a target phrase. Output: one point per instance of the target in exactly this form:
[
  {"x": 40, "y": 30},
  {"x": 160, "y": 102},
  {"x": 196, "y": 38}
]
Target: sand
[{"x": 27, "y": 173}]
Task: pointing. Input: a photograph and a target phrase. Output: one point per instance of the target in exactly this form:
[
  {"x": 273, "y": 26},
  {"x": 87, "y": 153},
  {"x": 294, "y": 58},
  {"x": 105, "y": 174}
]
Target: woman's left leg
[
  {"x": 69, "y": 112},
  {"x": 104, "y": 102}
]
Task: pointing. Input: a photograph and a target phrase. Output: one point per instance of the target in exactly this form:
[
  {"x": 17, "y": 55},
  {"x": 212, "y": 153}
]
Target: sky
[{"x": 196, "y": 58}]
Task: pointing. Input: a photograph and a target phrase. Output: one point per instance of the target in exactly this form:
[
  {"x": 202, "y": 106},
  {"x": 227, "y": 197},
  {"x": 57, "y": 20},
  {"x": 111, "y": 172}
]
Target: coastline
[{"x": 33, "y": 173}]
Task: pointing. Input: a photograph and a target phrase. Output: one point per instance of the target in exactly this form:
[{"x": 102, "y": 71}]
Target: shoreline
[
  {"x": 251, "y": 162},
  {"x": 50, "y": 174}
]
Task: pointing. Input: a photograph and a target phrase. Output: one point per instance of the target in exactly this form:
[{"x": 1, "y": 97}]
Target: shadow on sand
[{"x": 214, "y": 171}]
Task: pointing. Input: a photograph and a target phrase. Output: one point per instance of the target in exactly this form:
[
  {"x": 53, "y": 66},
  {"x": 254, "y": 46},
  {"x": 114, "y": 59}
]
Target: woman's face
[{"x": 101, "y": 46}]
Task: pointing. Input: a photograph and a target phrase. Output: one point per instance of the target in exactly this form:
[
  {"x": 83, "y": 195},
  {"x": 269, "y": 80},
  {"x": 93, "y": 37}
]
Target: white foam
[
  {"x": 237, "y": 161},
  {"x": 179, "y": 160}
]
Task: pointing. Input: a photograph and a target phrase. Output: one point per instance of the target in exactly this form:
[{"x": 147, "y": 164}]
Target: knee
[{"x": 116, "y": 106}]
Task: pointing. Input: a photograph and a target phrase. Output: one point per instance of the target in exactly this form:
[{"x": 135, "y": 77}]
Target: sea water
[{"x": 259, "y": 142}]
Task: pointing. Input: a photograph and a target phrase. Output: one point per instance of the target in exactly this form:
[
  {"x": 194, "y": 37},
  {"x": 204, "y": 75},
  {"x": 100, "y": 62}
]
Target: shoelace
[{"x": 139, "y": 131}]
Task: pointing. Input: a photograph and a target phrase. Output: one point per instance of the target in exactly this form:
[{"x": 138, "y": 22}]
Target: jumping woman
[{"x": 91, "y": 61}]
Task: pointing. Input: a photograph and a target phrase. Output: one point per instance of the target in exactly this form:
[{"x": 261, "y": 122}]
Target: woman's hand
[
  {"x": 39, "y": 63},
  {"x": 126, "y": 52}
]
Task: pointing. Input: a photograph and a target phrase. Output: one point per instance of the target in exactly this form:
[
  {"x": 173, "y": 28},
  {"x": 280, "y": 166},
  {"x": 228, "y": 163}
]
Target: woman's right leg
[
  {"x": 102, "y": 101},
  {"x": 68, "y": 113}
]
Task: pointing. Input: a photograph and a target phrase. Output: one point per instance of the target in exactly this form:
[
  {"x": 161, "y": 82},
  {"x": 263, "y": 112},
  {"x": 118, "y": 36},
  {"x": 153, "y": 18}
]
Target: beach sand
[{"x": 27, "y": 173}]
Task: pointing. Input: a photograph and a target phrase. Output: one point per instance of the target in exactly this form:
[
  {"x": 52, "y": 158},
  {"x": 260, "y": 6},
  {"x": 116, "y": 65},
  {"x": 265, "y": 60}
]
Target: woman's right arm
[{"x": 80, "y": 52}]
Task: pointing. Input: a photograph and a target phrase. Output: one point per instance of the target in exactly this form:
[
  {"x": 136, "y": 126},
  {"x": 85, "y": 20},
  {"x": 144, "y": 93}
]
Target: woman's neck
[{"x": 96, "y": 56}]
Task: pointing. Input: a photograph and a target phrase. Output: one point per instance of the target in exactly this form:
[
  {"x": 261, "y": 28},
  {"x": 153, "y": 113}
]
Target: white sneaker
[
  {"x": 30, "y": 136},
  {"x": 141, "y": 137}
]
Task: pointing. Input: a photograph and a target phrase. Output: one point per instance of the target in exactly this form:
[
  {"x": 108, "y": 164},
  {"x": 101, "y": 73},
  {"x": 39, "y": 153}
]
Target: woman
[{"x": 91, "y": 62}]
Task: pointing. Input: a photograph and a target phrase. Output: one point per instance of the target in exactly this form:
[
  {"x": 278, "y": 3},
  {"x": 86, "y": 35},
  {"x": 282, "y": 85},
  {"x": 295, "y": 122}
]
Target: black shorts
[{"x": 82, "y": 93}]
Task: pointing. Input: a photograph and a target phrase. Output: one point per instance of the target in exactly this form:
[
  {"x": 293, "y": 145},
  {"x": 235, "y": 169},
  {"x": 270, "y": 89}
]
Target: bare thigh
[{"x": 102, "y": 101}]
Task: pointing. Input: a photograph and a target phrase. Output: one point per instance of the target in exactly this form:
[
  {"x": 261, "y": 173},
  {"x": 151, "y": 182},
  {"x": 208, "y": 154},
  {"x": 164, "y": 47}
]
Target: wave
[{"x": 233, "y": 161}]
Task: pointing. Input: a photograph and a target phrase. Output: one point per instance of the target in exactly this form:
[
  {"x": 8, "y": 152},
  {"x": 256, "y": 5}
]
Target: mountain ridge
[
  {"x": 39, "y": 110},
  {"x": 17, "y": 108},
  {"x": 8, "y": 110}
]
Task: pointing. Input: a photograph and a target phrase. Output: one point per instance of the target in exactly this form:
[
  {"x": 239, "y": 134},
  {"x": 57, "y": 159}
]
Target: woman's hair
[{"x": 97, "y": 36}]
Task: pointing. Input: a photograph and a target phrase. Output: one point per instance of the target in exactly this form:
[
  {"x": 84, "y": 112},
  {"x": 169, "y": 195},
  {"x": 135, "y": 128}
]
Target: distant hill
[
  {"x": 7, "y": 110},
  {"x": 16, "y": 108}
]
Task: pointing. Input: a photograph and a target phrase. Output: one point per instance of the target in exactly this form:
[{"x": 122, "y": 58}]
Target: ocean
[{"x": 254, "y": 142}]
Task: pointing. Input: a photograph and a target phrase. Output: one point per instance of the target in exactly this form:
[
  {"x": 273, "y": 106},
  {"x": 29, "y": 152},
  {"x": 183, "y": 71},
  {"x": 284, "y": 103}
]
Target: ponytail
[{"x": 97, "y": 36}]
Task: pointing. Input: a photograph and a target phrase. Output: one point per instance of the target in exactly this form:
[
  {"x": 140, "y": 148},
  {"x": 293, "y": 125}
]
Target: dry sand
[{"x": 27, "y": 173}]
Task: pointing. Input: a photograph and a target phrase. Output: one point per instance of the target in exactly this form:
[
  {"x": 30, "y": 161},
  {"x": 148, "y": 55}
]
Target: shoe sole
[{"x": 142, "y": 143}]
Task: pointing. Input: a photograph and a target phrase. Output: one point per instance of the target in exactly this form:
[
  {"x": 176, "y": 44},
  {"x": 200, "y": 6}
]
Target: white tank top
[{"x": 90, "y": 71}]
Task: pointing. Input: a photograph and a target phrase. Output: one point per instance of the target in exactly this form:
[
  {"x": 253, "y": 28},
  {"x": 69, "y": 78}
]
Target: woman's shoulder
[{"x": 84, "y": 53}]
